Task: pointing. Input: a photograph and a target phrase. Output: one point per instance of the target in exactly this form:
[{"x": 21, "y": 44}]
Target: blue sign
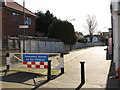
[
  {"x": 26, "y": 22},
  {"x": 35, "y": 57}
]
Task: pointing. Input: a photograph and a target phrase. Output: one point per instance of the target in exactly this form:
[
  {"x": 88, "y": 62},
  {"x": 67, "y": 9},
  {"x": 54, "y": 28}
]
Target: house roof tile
[{"x": 14, "y": 5}]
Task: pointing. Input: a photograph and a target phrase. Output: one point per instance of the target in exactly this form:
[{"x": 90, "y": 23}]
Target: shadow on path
[
  {"x": 112, "y": 82},
  {"x": 108, "y": 56},
  {"x": 80, "y": 86},
  {"x": 55, "y": 76},
  {"x": 52, "y": 78},
  {"x": 21, "y": 77}
]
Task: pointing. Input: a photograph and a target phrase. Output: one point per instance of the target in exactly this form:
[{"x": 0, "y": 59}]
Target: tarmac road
[{"x": 96, "y": 71}]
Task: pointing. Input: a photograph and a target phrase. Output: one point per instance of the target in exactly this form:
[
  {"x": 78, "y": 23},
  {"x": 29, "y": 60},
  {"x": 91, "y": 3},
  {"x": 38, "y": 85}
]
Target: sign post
[{"x": 23, "y": 27}]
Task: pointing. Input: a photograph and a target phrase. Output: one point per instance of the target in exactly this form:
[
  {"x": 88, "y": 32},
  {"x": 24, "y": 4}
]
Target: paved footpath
[{"x": 96, "y": 70}]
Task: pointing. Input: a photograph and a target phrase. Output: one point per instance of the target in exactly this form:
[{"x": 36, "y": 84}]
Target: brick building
[{"x": 13, "y": 16}]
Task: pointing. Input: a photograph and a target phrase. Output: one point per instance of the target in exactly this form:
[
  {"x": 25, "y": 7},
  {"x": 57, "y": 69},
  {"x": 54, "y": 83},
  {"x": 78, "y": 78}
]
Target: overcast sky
[{"x": 74, "y": 9}]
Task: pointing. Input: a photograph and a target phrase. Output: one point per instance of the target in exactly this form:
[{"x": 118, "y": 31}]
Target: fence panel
[
  {"x": 42, "y": 46},
  {"x": 34, "y": 46},
  {"x": 28, "y": 45},
  {"x": 48, "y": 46}
]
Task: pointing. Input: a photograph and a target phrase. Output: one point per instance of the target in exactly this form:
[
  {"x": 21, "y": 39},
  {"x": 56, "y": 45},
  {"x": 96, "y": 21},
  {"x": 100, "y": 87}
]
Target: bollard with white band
[
  {"x": 62, "y": 62},
  {"x": 8, "y": 61}
]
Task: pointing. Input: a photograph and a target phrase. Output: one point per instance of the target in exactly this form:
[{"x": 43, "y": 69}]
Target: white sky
[{"x": 74, "y": 9}]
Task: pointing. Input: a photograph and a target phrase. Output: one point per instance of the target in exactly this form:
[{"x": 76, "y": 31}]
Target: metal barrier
[{"x": 48, "y": 61}]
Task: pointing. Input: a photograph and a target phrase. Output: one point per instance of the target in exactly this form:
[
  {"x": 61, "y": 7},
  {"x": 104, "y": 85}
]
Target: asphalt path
[{"x": 96, "y": 71}]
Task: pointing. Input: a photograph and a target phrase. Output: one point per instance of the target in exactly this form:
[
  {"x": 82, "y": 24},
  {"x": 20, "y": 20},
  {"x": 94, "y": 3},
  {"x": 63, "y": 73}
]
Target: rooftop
[{"x": 14, "y": 5}]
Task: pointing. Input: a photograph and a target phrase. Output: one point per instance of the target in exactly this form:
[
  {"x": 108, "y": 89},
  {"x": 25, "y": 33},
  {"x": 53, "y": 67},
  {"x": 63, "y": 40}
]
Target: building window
[
  {"x": 28, "y": 20},
  {"x": 15, "y": 17}
]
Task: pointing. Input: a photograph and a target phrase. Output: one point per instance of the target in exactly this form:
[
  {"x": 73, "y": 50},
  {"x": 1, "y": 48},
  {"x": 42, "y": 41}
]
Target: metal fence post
[
  {"x": 82, "y": 72},
  {"x": 49, "y": 70}
]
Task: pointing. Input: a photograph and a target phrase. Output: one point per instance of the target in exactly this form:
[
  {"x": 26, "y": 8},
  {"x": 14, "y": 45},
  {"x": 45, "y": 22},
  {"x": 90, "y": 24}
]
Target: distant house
[
  {"x": 79, "y": 34},
  {"x": 12, "y": 16},
  {"x": 106, "y": 34},
  {"x": 96, "y": 38}
]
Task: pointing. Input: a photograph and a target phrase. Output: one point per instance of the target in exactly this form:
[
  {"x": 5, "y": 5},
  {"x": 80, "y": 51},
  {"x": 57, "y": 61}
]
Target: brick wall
[{"x": 11, "y": 27}]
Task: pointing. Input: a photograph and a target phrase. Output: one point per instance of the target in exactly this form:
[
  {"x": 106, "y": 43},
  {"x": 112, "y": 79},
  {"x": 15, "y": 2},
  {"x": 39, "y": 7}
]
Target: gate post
[
  {"x": 62, "y": 62},
  {"x": 8, "y": 61}
]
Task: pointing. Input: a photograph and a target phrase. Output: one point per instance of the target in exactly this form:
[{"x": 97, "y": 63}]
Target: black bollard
[
  {"x": 82, "y": 72},
  {"x": 7, "y": 67},
  {"x": 49, "y": 70}
]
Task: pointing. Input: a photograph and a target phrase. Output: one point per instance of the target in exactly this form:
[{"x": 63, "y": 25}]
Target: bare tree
[{"x": 91, "y": 25}]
